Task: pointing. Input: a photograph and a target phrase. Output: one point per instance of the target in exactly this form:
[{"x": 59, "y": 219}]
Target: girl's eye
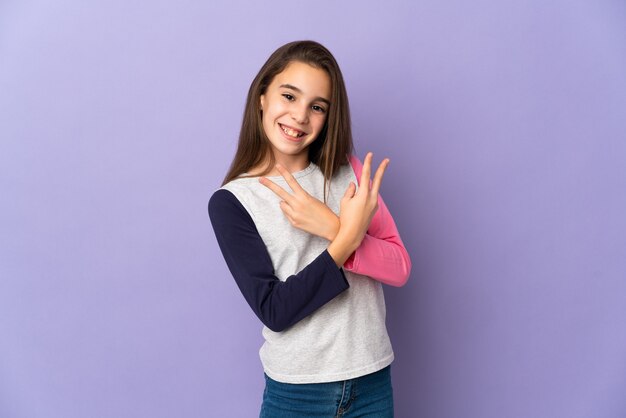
[
  {"x": 317, "y": 108},
  {"x": 288, "y": 96}
]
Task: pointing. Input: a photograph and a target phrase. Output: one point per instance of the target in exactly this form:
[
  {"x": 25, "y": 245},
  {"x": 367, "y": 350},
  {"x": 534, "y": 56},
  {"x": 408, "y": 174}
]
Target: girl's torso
[{"x": 345, "y": 338}]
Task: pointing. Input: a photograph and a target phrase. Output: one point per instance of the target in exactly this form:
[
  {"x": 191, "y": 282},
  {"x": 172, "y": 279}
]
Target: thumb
[{"x": 349, "y": 194}]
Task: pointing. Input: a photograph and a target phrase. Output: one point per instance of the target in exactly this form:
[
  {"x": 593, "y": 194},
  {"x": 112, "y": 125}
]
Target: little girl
[{"x": 306, "y": 246}]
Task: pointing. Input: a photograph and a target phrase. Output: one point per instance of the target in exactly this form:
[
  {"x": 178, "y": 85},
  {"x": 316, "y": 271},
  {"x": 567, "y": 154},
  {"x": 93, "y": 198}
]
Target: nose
[{"x": 300, "y": 114}]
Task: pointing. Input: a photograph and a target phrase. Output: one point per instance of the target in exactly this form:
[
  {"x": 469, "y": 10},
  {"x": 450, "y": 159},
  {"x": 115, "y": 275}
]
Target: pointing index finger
[
  {"x": 366, "y": 172},
  {"x": 290, "y": 179},
  {"x": 378, "y": 177},
  {"x": 279, "y": 191}
]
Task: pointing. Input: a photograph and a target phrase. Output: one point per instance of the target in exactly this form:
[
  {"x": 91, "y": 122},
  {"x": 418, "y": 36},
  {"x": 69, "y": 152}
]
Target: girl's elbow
[
  {"x": 275, "y": 323},
  {"x": 400, "y": 281},
  {"x": 404, "y": 274},
  {"x": 275, "y": 327}
]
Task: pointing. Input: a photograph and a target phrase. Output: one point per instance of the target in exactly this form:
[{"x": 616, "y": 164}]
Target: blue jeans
[{"x": 366, "y": 396}]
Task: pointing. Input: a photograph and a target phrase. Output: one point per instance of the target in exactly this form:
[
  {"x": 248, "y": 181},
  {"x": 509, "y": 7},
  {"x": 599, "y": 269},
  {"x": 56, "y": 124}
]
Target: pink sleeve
[{"x": 382, "y": 255}]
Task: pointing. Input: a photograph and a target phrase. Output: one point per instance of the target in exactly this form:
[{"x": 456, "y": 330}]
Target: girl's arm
[
  {"x": 277, "y": 304},
  {"x": 381, "y": 255}
]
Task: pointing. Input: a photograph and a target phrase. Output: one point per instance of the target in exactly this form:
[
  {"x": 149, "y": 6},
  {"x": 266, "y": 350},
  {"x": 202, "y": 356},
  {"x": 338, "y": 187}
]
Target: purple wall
[{"x": 505, "y": 123}]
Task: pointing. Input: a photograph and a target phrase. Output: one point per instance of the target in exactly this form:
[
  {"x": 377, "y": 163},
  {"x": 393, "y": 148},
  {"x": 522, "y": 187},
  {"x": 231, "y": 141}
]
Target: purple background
[{"x": 505, "y": 123}]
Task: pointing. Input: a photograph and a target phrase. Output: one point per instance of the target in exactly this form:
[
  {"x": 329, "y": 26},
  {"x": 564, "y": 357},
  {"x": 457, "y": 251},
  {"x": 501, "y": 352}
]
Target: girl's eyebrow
[{"x": 294, "y": 88}]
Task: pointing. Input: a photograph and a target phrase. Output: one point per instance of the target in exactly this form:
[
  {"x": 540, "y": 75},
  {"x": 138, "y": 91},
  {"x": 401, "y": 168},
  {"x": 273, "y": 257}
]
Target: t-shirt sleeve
[
  {"x": 382, "y": 254},
  {"x": 277, "y": 304}
]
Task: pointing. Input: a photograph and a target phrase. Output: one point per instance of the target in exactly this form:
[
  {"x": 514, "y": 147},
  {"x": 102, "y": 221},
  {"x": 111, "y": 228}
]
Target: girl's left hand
[{"x": 303, "y": 210}]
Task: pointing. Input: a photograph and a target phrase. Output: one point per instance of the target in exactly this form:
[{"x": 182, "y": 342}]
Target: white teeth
[{"x": 291, "y": 132}]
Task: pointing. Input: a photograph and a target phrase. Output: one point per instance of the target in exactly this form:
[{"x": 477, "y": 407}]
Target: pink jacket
[{"x": 382, "y": 255}]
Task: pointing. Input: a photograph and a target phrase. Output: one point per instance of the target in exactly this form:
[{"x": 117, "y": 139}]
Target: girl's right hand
[{"x": 356, "y": 211}]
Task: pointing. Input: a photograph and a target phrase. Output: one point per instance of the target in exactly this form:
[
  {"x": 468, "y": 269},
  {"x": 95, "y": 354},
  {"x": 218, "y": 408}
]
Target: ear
[{"x": 262, "y": 100}]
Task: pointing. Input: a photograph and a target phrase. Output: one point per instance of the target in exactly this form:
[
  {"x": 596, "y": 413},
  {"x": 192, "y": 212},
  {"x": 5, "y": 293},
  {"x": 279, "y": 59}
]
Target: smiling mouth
[{"x": 294, "y": 133}]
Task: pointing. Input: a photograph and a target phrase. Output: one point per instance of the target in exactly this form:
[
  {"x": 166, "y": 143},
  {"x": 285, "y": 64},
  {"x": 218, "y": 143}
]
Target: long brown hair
[{"x": 333, "y": 145}]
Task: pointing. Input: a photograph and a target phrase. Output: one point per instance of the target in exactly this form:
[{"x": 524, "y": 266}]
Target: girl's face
[{"x": 294, "y": 112}]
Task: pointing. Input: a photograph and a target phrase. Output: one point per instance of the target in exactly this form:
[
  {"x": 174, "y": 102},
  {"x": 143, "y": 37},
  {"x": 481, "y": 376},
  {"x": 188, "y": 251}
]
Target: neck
[{"x": 292, "y": 165}]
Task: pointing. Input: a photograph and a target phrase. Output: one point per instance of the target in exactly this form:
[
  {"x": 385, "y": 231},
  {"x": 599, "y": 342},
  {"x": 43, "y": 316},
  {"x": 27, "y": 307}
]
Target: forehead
[{"x": 311, "y": 81}]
